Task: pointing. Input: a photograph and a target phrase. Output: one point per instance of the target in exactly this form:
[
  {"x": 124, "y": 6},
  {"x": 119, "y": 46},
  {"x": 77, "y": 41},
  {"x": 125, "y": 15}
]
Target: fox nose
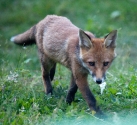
[{"x": 99, "y": 81}]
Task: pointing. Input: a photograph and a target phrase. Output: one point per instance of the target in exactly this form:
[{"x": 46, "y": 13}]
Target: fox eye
[
  {"x": 105, "y": 63},
  {"x": 91, "y": 63}
]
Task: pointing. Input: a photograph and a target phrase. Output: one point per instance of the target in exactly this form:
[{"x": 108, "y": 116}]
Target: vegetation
[{"x": 22, "y": 98}]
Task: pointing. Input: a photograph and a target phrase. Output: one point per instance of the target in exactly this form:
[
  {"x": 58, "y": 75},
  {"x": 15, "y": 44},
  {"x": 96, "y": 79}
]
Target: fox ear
[
  {"x": 110, "y": 39},
  {"x": 84, "y": 39}
]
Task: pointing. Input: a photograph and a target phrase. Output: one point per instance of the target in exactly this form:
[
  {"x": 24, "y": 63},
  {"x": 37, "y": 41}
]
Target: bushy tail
[{"x": 26, "y": 38}]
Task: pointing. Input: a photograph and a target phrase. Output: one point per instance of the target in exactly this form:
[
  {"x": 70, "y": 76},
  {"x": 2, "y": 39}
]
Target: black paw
[
  {"x": 69, "y": 99},
  {"x": 99, "y": 114}
]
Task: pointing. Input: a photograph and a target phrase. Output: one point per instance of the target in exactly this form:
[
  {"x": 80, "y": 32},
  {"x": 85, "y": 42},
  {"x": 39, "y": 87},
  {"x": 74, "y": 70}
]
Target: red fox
[{"x": 59, "y": 41}]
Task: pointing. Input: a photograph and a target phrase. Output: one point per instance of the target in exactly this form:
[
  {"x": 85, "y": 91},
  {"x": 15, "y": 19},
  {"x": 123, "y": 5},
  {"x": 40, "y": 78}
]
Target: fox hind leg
[
  {"x": 47, "y": 82},
  {"x": 72, "y": 90},
  {"x": 48, "y": 71},
  {"x": 52, "y": 72}
]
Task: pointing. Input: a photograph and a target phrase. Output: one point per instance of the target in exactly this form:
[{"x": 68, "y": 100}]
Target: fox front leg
[
  {"x": 81, "y": 81},
  {"x": 72, "y": 90}
]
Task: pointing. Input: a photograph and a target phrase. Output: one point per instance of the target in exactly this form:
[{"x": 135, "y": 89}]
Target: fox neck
[{"x": 84, "y": 69}]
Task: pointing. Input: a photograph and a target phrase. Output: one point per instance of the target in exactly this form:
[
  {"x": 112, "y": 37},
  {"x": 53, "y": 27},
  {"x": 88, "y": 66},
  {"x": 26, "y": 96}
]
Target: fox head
[{"x": 97, "y": 54}]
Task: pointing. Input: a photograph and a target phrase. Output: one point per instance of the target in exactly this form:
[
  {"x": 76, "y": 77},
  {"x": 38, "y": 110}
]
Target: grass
[{"x": 22, "y": 98}]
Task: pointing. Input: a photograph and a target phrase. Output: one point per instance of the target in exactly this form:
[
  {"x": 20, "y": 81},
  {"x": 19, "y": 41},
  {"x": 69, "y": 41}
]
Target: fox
[{"x": 59, "y": 41}]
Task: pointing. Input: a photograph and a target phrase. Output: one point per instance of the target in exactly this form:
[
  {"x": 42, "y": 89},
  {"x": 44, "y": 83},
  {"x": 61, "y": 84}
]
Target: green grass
[{"x": 22, "y": 98}]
